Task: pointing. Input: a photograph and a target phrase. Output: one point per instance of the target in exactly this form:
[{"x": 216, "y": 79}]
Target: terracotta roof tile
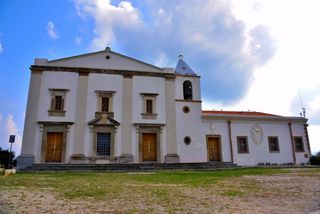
[{"x": 243, "y": 113}]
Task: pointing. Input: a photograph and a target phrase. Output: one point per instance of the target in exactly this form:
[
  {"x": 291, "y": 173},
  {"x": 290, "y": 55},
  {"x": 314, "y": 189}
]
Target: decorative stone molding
[
  {"x": 149, "y": 116},
  {"x": 257, "y": 134},
  {"x": 87, "y": 71}
]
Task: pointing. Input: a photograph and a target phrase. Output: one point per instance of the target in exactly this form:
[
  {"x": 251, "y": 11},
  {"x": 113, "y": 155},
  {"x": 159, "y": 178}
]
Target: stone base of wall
[
  {"x": 172, "y": 158},
  {"x": 126, "y": 158},
  {"x": 78, "y": 158},
  {"x": 24, "y": 160},
  {"x": 102, "y": 160}
]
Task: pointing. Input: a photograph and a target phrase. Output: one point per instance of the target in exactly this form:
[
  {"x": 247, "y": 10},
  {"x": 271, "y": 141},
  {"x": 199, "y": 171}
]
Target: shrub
[{"x": 315, "y": 159}]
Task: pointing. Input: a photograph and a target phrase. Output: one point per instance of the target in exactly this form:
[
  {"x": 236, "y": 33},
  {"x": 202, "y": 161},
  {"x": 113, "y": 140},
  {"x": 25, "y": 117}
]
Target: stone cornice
[
  {"x": 187, "y": 75},
  {"x": 87, "y": 71},
  {"x": 189, "y": 101},
  {"x": 54, "y": 123},
  {"x": 149, "y": 124}
]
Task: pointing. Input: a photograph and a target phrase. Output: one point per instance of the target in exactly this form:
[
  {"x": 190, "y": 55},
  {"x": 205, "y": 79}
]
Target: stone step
[{"x": 128, "y": 167}]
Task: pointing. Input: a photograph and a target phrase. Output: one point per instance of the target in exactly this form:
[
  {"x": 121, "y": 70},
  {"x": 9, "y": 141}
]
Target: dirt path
[{"x": 281, "y": 193}]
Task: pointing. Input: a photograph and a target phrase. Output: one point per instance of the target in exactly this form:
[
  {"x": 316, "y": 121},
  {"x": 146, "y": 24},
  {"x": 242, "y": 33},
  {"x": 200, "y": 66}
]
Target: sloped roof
[
  {"x": 240, "y": 113},
  {"x": 105, "y": 59},
  {"x": 183, "y": 68},
  {"x": 250, "y": 115}
]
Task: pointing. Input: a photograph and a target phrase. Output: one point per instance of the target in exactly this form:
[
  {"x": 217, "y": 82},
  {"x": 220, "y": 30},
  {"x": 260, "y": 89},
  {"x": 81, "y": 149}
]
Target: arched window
[{"x": 187, "y": 90}]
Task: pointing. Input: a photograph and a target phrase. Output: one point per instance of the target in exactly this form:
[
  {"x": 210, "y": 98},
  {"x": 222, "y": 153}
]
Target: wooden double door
[
  {"x": 54, "y": 146},
  {"x": 149, "y": 147},
  {"x": 214, "y": 149}
]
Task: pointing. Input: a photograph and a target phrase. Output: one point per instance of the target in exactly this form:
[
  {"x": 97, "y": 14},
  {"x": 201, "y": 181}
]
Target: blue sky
[{"x": 252, "y": 55}]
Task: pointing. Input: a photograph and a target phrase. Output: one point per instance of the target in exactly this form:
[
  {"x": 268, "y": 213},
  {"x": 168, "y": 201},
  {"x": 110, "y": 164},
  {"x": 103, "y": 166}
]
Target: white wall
[
  {"x": 260, "y": 153},
  {"x": 58, "y": 80},
  {"x": 144, "y": 84},
  {"x": 106, "y": 82},
  {"x": 218, "y": 128},
  {"x": 190, "y": 124},
  {"x": 196, "y": 94},
  {"x": 298, "y": 131}
]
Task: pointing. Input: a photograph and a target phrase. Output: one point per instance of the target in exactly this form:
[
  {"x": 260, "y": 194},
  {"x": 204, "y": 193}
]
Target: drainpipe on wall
[
  {"x": 230, "y": 140},
  {"x": 292, "y": 144}
]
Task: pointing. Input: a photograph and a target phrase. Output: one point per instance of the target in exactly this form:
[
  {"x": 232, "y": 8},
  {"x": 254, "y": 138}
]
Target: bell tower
[{"x": 188, "y": 113}]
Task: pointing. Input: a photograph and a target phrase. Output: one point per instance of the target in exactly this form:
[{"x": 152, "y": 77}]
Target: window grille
[
  {"x": 298, "y": 144},
  {"x": 103, "y": 144},
  {"x": 242, "y": 145},
  {"x": 58, "y": 103},
  {"x": 273, "y": 144}
]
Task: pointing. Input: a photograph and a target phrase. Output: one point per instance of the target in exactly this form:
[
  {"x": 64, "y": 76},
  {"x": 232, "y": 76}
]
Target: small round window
[
  {"x": 187, "y": 140},
  {"x": 107, "y": 57},
  {"x": 186, "y": 109}
]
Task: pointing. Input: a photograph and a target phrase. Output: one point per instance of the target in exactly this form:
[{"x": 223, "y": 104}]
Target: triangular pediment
[
  {"x": 103, "y": 120},
  {"x": 106, "y": 59}
]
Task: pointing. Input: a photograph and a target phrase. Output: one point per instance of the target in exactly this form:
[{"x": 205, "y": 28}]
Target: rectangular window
[
  {"x": 58, "y": 97},
  {"x": 105, "y": 104},
  {"x": 58, "y": 106},
  {"x": 242, "y": 144},
  {"x": 149, "y": 106},
  {"x": 273, "y": 144},
  {"x": 298, "y": 143},
  {"x": 103, "y": 144}
]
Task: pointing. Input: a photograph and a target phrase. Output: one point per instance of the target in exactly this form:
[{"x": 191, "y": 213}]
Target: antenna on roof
[{"x": 303, "y": 113}]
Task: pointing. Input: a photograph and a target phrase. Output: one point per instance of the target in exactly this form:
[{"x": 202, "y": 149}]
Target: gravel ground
[{"x": 294, "y": 192}]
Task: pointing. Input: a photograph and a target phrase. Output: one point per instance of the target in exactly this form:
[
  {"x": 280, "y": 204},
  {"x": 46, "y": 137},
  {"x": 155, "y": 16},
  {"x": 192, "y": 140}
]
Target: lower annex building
[{"x": 104, "y": 107}]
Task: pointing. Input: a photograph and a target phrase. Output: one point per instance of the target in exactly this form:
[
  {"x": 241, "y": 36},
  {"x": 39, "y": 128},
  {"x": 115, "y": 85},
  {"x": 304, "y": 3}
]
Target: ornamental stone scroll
[{"x": 257, "y": 134}]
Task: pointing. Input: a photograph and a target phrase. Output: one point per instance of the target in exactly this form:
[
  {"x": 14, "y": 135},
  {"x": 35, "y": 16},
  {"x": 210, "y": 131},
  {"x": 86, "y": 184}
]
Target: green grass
[{"x": 112, "y": 185}]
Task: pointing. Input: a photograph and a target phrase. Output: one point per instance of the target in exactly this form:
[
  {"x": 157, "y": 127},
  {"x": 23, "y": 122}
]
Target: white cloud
[
  {"x": 295, "y": 66},
  {"x": 77, "y": 40},
  {"x": 253, "y": 54},
  {"x": 108, "y": 19},
  {"x": 213, "y": 43},
  {"x": 52, "y": 31},
  {"x": 9, "y": 127},
  {"x": 314, "y": 138}
]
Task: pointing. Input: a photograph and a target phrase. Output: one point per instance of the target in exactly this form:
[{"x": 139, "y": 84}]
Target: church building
[{"x": 104, "y": 107}]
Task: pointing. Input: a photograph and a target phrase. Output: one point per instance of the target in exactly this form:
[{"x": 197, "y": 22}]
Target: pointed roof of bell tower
[{"x": 183, "y": 68}]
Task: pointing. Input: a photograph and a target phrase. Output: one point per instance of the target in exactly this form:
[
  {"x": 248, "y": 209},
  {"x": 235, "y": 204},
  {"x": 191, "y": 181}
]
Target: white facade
[{"x": 104, "y": 107}]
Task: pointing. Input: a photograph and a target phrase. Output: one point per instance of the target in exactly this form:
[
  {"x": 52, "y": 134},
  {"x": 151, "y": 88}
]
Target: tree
[
  {"x": 4, "y": 158},
  {"x": 315, "y": 159}
]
